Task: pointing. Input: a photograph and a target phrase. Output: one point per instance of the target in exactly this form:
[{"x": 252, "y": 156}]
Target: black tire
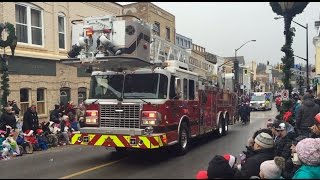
[
  {"x": 225, "y": 125},
  {"x": 219, "y": 130},
  {"x": 184, "y": 140}
]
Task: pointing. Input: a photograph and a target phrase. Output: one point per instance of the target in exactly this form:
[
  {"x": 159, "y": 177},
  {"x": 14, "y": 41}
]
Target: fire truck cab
[{"x": 145, "y": 92}]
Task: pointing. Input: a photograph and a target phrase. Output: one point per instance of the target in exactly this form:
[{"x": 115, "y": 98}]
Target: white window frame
[
  {"x": 29, "y": 7},
  {"x": 65, "y": 31},
  {"x": 25, "y": 102},
  {"x": 44, "y": 101}
]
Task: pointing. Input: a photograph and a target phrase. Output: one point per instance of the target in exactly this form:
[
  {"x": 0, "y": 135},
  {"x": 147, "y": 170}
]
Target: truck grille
[{"x": 124, "y": 116}]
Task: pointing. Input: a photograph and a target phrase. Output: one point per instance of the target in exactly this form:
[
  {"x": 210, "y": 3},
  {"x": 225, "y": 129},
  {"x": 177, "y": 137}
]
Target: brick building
[{"x": 163, "y": 22}]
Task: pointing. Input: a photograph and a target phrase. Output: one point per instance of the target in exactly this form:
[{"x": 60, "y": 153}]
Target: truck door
[
  {"x": 193, "y": 106},
  {"x": 213, "y": 107},
  {"x": 202, "y": 103}
]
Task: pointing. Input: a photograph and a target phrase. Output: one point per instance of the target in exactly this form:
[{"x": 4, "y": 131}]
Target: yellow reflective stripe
[
  {"x": 117, "y": 141},
  {"x": 146, "y": 141},
  {"x": 160, "y": 141},
  {"x": 75, "y": 138},
  {"x": 100, "y": 141}
]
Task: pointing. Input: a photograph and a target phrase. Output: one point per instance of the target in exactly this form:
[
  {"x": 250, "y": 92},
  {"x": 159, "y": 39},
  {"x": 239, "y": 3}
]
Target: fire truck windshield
[{"x": 129, "y": 86}]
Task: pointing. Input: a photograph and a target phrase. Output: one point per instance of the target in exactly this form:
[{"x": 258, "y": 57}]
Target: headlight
[
  {"x": 150, "y": 118},
  {"x": 262, "y": 104},
  {"x": 91, "y": 117},
  {"x": 91, "y": 120}
]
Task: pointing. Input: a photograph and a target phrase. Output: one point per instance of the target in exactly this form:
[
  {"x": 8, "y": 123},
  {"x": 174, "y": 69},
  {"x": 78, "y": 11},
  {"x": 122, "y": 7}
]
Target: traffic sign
[{"x": 285, "y": 94}]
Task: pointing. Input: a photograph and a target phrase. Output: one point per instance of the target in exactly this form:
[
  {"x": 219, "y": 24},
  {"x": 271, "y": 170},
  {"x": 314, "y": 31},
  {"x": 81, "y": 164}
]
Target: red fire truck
[{"x": 146, "y": 92}]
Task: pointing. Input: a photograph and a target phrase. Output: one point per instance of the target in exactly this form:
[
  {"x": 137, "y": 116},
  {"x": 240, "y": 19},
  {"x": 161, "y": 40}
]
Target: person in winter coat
[
  {"x": 278, "y": 103},
  {"x": 30, "y": 119},
  {"x": 272, "y": 169},
  {"x": 221, "y": 168},
  {"x": 305, "y": 116},
  {"x": 15, "y": 107},
  {"x": 249, "y": 147},
  {"x": 315, "y": 129},
  {"x": 308, "y": 151},
  {"x": 65, "y": 127},
  {"x": 244, "y": 112},
  {"x": 8, "y": 119},
  {"x": 295, "y": 108},
  {"x": 55, "y": 114},
  {"x": 284, "y": 140},
  {"x": 263, "y": 149}
]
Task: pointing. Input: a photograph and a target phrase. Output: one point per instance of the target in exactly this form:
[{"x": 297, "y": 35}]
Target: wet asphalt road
[{"x": 82, "y": 162}]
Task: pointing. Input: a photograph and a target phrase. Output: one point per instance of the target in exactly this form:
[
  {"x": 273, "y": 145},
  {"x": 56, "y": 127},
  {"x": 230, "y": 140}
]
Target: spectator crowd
[
  {"x": 24, "y": 137},
  {"x": 288, "y": 147}
]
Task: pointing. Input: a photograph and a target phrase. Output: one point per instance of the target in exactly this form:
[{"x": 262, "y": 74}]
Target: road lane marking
[{"x": 91, "y": 169}]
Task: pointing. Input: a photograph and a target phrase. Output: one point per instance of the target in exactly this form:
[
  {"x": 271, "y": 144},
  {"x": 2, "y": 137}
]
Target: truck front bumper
[{"x": 152, "y": 141}]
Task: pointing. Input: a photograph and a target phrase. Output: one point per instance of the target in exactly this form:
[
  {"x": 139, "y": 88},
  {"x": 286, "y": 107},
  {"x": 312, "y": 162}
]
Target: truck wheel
[
  {"x": 184, "y": 140},
  {"x": 219, "y": 131},
  {"x": 225, "y": 127}
]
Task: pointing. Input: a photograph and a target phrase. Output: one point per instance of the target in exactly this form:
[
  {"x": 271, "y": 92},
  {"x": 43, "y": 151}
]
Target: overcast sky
[{"x": 222, "y": 27}]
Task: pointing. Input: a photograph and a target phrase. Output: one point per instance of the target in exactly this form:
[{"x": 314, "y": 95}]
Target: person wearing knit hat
[
  {"x": 272, "y": 169},
  {"x": 305, "y": 116},
  {"x": 315, "y": 129},
  {"x": 249, "y": 147},
  {"x": 263, "y": 150},
  {"x": 263, "y": 140},
  {"x": 219, "y": 168},
  {"x": 308, "y": 151},
  {"x": 231, "y": 160},
  {"x": 202, "y": 174}
]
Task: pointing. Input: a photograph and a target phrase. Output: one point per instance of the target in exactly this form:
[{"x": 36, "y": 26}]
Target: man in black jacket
[
  {"x": 55, "y": 114},
  {"x": 306, "y": 114},
  {"x": 284, "y": 140},
  {"x": 30, "y": 120}
]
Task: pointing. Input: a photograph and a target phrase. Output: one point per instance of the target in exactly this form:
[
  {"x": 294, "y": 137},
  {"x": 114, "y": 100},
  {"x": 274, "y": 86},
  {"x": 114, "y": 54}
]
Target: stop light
[{"x": 245, "y": 71}]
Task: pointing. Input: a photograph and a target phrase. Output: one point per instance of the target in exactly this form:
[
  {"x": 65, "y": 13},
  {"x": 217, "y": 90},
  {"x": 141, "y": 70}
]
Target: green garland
[
  {"x": 12, "y": 42},
  {"x": 288, "y": 59},
  {"x": 5, "y": 81},
  {"x": 11, "y": 37}
]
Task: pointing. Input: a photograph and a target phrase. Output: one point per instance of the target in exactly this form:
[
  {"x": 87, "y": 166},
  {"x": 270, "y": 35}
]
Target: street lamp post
[
  {"x": 307, "y": 49},
  {"x": 236, "y": 67}
]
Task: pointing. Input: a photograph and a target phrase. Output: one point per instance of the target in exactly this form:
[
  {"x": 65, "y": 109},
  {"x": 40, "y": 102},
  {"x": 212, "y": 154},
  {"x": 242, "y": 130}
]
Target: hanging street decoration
[{"x": 10, "y": 41}]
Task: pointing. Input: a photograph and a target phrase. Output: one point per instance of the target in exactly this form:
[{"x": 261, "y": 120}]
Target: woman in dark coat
[{"x": 30, "y": 120}]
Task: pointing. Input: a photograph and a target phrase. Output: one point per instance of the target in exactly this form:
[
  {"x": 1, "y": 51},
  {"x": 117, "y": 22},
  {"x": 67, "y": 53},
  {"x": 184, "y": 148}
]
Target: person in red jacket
[{"x": 278, "y": 103}]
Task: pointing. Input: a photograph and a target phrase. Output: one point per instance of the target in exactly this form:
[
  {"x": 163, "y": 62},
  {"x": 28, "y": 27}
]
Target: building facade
[
  {"x": 44, "y": 35},
  {"x": 211, "y": 58},
  {"x": 183, "y": 41},
  {"x": 163, "y": 22}
]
